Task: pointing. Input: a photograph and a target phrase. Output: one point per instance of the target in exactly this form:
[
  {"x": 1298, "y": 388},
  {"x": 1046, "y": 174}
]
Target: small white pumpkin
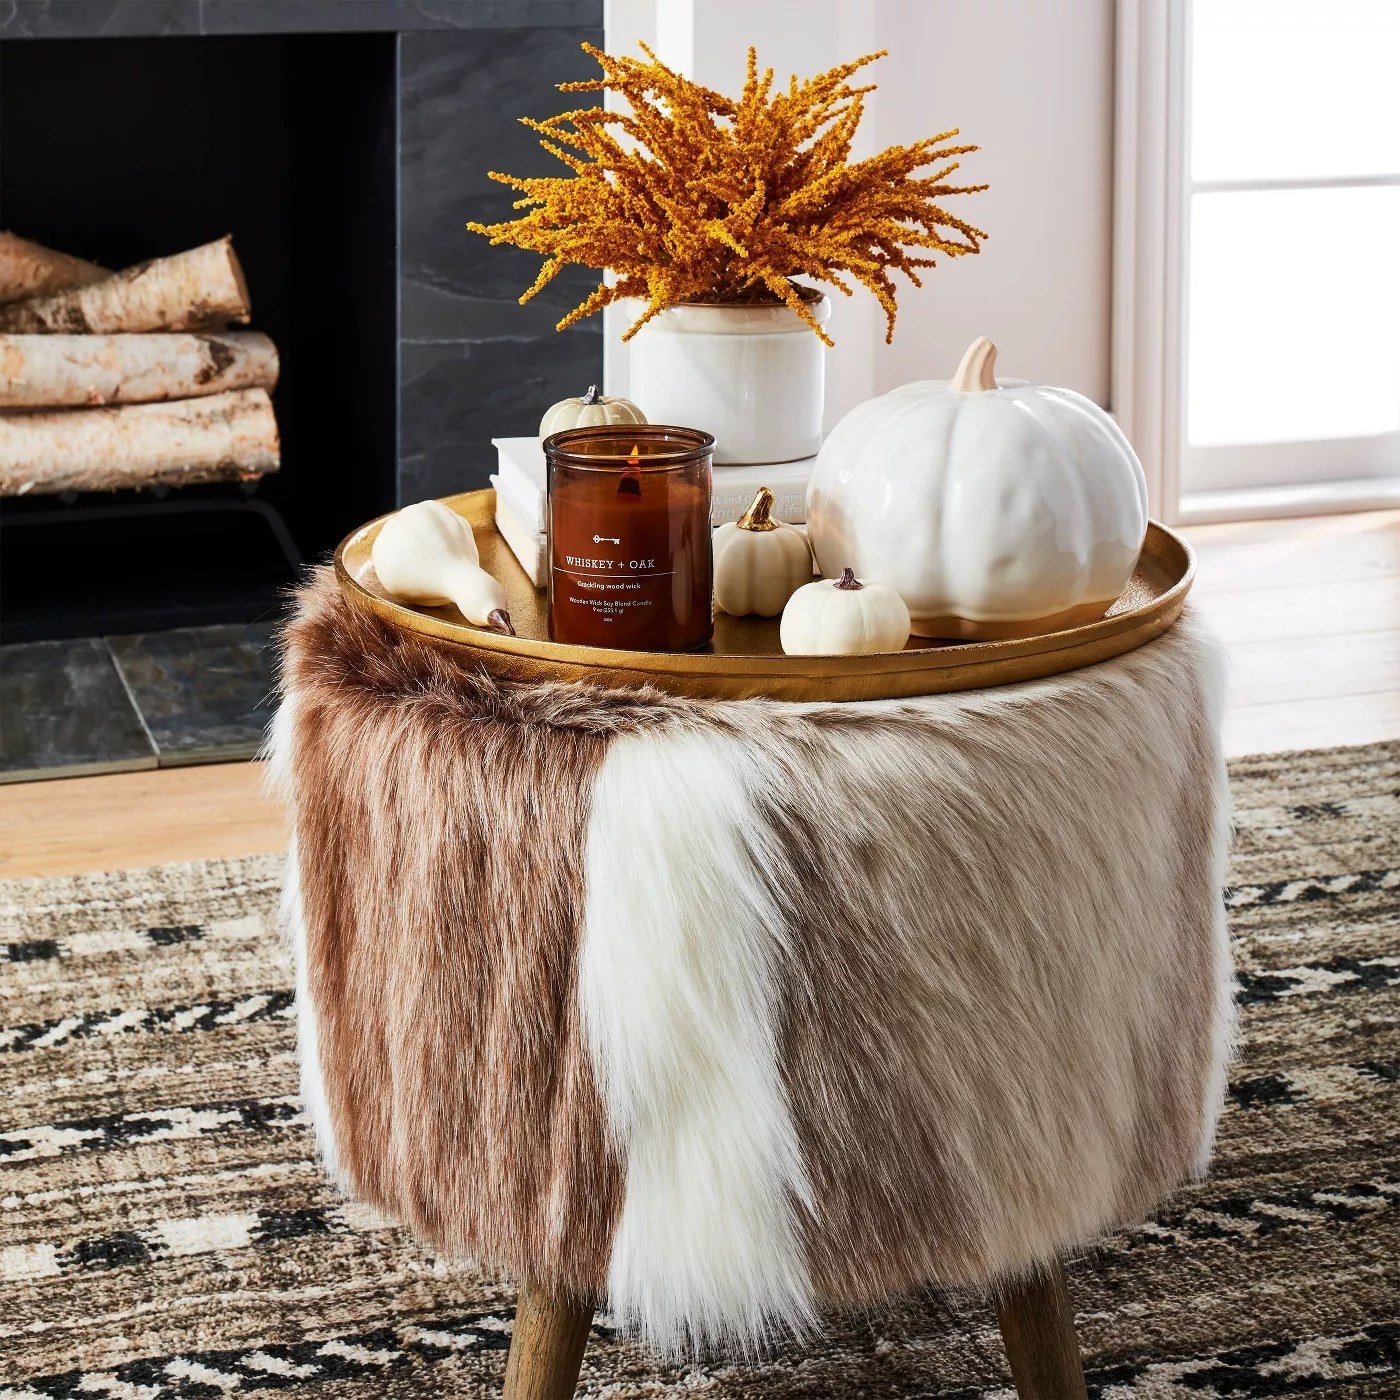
[
  {"x": 996, "y": 510},
  {"x": 588, "y": 410},
  {"x": 426, "y": 553},
  {"x": 759, "y": 562},
  {"x": 844, "y": 617}
]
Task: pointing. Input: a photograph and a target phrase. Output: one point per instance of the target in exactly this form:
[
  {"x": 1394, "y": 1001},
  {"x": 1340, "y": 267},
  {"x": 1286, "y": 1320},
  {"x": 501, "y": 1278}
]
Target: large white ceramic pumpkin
[{"x": 994, "y": 510}]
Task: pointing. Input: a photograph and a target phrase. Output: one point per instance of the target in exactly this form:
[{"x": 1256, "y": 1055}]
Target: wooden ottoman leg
[
  {"x": 1037, "y": 1325},
  {"x": 546, "y": 1347}
]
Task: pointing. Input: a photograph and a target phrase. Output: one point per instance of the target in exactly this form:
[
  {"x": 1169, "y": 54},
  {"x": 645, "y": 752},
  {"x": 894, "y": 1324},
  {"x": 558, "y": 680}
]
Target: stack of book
[{"x": 522, "y": 497}]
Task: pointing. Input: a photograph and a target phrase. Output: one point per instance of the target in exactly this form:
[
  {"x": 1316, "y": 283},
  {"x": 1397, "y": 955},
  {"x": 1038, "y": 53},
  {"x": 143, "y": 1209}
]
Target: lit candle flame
[{"x": 631, "y": 483}]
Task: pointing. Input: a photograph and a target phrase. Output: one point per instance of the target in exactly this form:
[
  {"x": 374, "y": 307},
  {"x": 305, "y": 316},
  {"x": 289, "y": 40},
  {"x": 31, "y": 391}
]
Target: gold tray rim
[{"x": 916, "y": 670}]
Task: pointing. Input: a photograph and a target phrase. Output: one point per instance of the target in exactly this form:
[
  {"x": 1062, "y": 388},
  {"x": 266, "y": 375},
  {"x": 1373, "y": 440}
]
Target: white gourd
[
  {"x": 759, "y": 562},
  {"x": 426, "y": 554},
  {"x": 588, "y": 410},
  {"x": 996, "y": 509},
  {"x": 844, "y": 617}
]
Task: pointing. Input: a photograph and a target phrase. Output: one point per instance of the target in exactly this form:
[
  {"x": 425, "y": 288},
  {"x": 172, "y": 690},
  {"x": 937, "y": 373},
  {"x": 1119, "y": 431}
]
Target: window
[{"x": 1264, "y": 137}]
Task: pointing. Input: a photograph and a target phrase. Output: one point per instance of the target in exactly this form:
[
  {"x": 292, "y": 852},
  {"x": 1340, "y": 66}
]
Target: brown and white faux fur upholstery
[{"x": 724, "y": 1011}]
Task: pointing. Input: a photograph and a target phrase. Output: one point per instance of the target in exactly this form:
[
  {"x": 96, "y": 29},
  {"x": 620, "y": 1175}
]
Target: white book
[
  {"x": 526, "y": 545},
  {"x": 520, "y": 467},
  {"x": 522, "y": 480},
  {"x": 522, "y": 504}
]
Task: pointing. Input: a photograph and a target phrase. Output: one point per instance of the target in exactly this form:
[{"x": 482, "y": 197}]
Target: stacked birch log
[{"x": 112, "y": 380}]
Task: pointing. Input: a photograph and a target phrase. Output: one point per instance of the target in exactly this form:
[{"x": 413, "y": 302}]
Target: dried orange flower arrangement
[{"x": 691, "y": 196}]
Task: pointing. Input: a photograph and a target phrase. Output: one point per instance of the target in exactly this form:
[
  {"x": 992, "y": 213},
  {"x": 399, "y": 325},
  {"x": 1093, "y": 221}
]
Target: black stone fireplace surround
[{"x": 343, "y": 143}]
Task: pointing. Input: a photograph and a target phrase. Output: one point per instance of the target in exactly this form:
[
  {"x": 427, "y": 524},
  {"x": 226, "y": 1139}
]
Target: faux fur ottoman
[{"x": 726, "y": 1010}]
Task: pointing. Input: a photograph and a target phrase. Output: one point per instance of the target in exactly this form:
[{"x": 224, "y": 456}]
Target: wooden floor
[
  {"x": 1310, "y": 610},
  {"x": 67, "y": 825}
]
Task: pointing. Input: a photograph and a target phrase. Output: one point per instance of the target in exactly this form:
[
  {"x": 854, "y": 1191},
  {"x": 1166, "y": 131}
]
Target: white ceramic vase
[{"x": 754, "y": 376}]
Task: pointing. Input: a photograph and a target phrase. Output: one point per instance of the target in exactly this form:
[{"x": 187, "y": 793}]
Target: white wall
[{"x": 1031, "y": 83}]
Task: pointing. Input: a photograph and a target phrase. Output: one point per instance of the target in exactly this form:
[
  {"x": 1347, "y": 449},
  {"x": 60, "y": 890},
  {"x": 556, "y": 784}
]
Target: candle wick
[{"x": 631, "y": 483}]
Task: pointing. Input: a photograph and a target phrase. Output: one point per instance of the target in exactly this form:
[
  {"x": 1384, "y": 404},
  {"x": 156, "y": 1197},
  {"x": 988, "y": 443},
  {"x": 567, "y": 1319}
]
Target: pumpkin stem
[
  {"x": 757, "y": 515},
  {"x": 848, "y": 582},
  {"x": 978, "y": 367},
  {"x": 591, "y": 397},
  {"x": 498, "y": 620}
]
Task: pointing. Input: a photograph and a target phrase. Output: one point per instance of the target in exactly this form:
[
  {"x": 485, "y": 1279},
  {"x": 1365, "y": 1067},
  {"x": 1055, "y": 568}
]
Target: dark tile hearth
[
  {"x": 116, "y": 704},
  {"x": 63, "y": 707},
  {"x": 204, "y": 693}
]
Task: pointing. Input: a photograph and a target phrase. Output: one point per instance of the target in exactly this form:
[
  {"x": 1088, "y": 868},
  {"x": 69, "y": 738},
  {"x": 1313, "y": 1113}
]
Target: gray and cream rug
[{"x": 164, "y": 1231}]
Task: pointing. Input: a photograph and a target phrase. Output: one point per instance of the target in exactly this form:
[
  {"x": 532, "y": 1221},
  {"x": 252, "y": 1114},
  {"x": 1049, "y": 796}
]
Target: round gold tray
[{"x": 746, "y": 657}]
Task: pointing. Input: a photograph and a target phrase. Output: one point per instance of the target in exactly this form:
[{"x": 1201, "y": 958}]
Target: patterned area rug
[{"x": 164, "y": 1231}]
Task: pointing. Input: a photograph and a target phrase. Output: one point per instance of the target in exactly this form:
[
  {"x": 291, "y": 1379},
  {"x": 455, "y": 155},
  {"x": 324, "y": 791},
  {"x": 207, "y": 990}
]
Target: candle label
[{"x": 609, "y": 583}]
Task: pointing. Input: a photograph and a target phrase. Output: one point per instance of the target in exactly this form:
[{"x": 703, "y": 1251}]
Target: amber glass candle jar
[{"x": 629, "y": 537}]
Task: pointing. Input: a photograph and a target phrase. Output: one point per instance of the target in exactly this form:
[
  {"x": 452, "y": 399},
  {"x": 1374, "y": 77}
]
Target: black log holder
[{"x": 126, "y": 573}]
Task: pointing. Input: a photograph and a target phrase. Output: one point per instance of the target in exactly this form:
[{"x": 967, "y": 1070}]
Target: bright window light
[
  {"x": 1292, "y": 263},
  {"x": 1294, "y": 89},
  {"x": 1294, "y": 318}
]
